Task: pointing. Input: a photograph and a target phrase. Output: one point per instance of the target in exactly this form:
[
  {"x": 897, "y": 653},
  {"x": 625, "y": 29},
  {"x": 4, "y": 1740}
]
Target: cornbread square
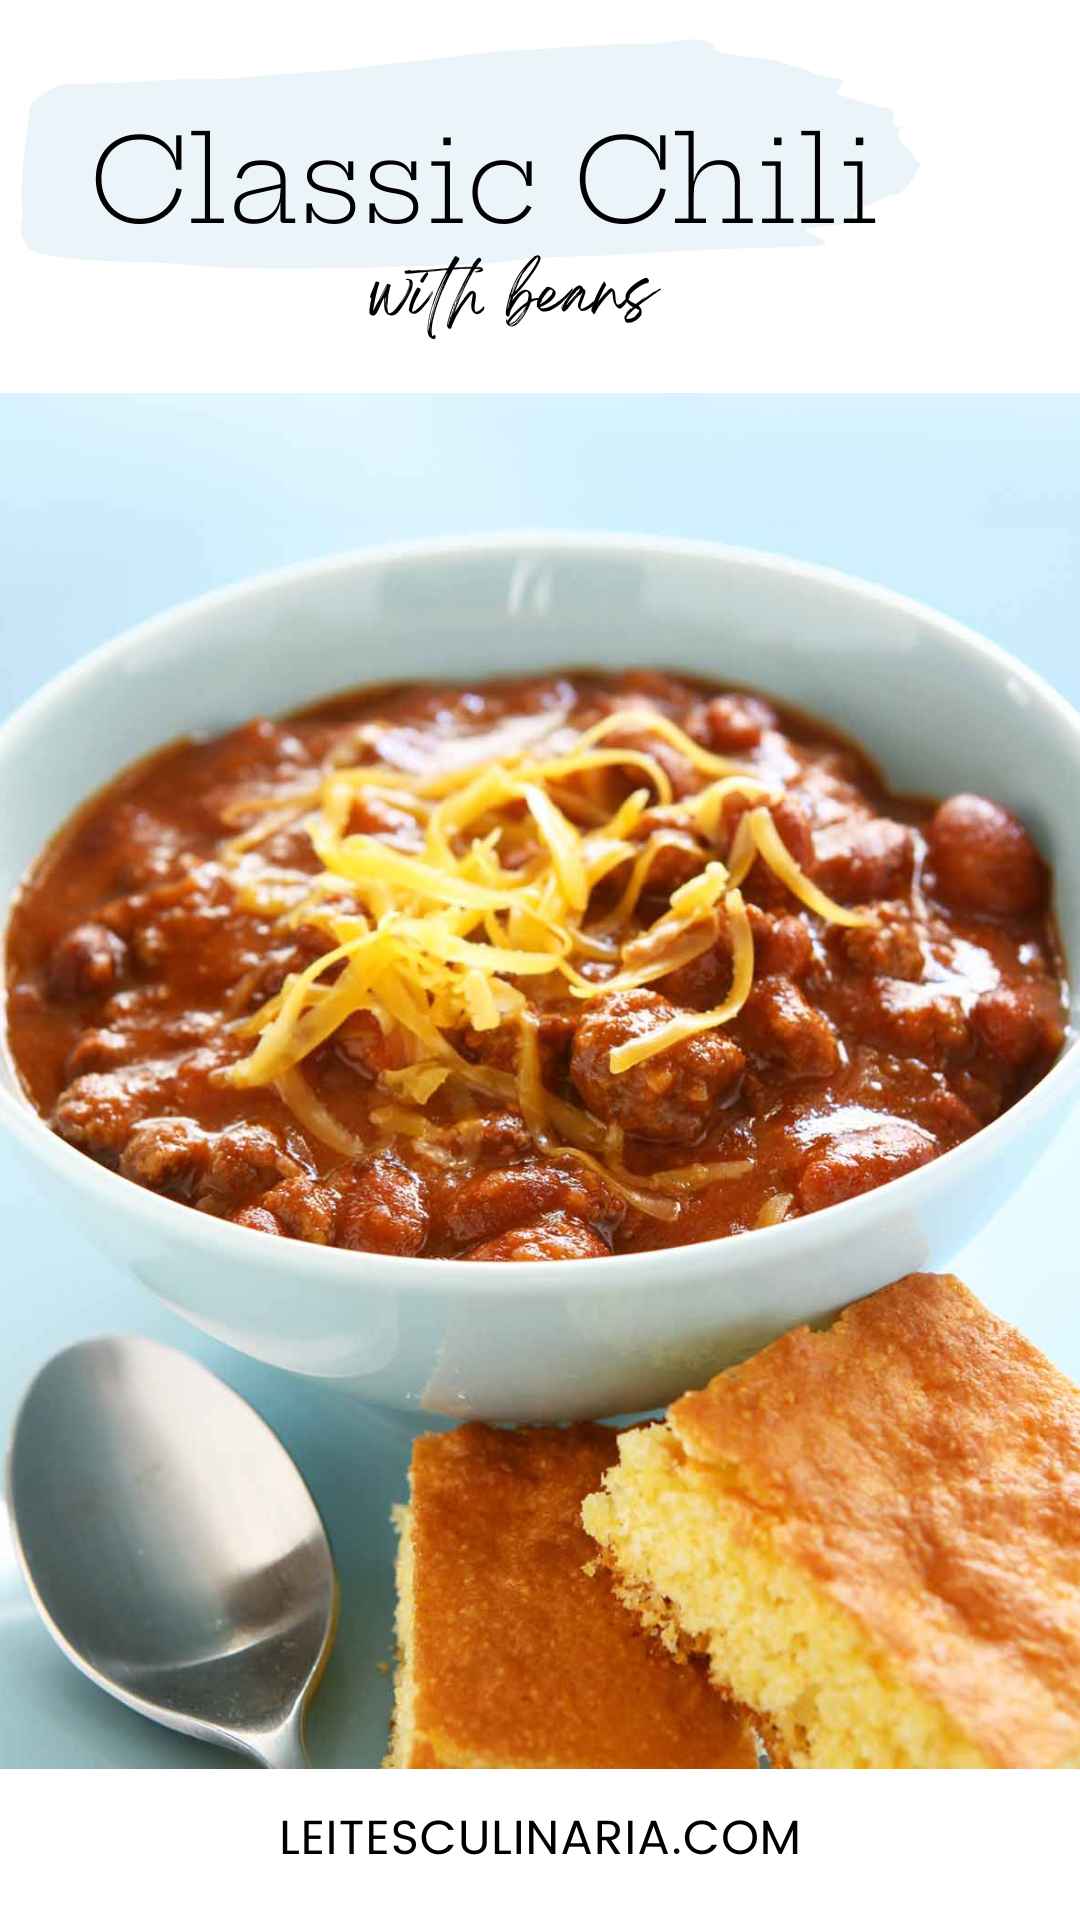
[
  {"x": 874, "y": 1535},
  {"x": 511, "y": 1654}
]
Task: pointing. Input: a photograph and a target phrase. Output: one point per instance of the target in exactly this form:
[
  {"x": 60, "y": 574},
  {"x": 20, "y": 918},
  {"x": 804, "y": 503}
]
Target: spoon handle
[{"x": 281, "y": 1746}]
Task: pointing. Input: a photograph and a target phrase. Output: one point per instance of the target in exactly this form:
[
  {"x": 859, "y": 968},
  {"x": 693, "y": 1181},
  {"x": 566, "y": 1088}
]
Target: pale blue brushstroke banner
[{"x": 547, "y": 108}]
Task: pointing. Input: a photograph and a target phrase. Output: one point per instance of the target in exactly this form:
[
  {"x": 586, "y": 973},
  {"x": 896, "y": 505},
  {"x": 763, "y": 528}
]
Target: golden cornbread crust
[
  {"x": 911, "y": 1478},
  {"x": 512, "y": 1654}
]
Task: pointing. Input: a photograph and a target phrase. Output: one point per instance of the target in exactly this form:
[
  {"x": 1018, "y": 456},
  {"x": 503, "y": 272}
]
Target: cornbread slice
[
  {"x": 874, "y": 1534},
  {"x": 510, "y": 1654}
]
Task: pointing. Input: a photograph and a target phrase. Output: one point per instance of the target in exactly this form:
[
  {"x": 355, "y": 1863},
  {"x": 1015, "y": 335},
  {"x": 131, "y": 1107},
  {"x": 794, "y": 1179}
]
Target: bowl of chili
[{"x": 659, "y": 958}]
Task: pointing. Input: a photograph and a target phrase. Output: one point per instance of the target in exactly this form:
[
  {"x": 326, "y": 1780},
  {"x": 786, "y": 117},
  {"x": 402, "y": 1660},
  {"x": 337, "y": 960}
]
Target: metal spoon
[{"x": 171, "y": 1546}]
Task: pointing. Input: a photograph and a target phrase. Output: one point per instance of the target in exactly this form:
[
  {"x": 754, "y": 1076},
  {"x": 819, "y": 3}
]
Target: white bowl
[{"x": 941, "y": 709}]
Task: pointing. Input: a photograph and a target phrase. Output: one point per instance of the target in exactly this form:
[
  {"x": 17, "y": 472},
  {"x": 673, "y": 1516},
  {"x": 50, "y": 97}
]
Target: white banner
[
  {"x": 857, "y": 1844},
  {"x": 961, "y": 277}
]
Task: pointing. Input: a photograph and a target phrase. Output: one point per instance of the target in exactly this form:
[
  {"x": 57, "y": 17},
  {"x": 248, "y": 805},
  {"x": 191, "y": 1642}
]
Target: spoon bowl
[{"x": 171, "y": 1546}]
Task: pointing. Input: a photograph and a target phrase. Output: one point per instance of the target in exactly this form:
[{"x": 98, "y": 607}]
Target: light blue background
[{"x": 112, "y": 509}]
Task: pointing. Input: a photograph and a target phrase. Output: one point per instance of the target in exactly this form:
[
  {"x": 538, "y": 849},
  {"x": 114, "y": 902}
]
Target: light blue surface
[{"x": 112, "y": 509}]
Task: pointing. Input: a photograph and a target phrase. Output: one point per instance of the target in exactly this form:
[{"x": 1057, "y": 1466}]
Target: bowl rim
[{"x": 486, "y": 1279}]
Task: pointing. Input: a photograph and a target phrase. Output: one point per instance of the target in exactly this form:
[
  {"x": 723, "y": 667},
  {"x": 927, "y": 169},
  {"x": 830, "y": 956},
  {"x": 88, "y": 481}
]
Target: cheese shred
[{"x": 528, "y": 867}]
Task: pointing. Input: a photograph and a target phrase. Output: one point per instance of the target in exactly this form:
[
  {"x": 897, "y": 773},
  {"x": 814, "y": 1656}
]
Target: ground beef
[
  {"x": 245, "y": 1160},
  {"x": 509, "y": 1197},
  {"x": 304, "y": 1207},
  {"x": 142, "y": 1020},
  {"x": 214, "y": 1170},
  {"x": 783, "y": 943},
  {"x": 678, "y": 860},
  {"x": 890, "y": 943},
  {"x": 259, "y": 1219},
  {"x": 250, "y": 756},
  {"x": 983, "y": 1095},
  {"x": 168, "y": 1156},
  {"x": 681, "y": 774},
  {"x": 98, "y": 1111},
  {"x": 670, "y": 1097},
  {"x": 914, "y": 1020},
  {"x": 383, "y": 1209},
  {"x": 134, "y": 845},
  {"x": 703, "y": 982},
  {"x": 555, "y": 1236},
  {"x": 863, "y": 858},
  {"x": 495, "y": 1137},
  {"x": 96, "y": 1051},
  {"x": 792, "y": 823},
  {"x": 189, "y": 929},
  {"x": 363, "y": 1044},
  {"x": 949, "y": 1117},
  {"x": 778, "y": 1023},
  {"x": 499, "y": 1046},
  {"x": 267, "y": 977},
  {"x": 733, "y": 722}
]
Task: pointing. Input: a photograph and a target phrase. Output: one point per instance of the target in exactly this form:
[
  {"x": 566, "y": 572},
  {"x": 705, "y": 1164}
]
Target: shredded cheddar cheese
[
  {"x": 502, "y": 890},
  {"x": 686, "y": 1025}
]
